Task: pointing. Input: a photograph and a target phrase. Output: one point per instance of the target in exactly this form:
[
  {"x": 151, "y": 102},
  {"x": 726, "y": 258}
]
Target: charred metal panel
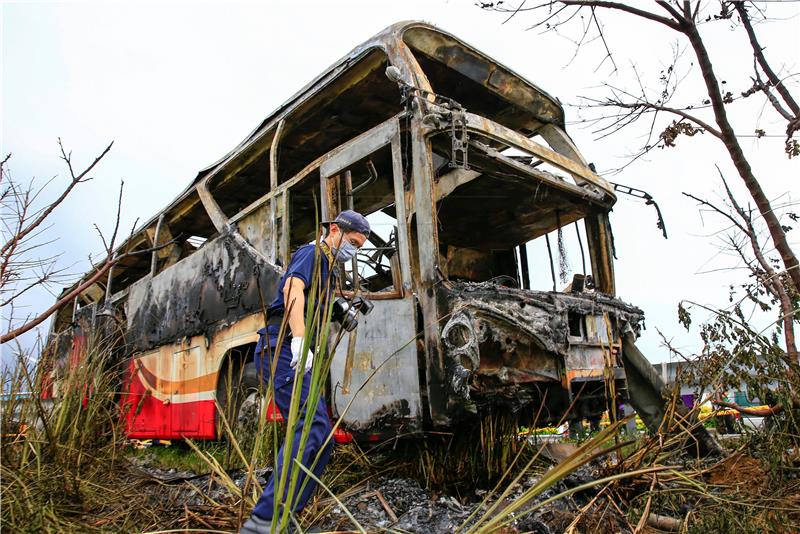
[
  {"x": 504, "y": 340},
  {"x": 385, "y": 344},
  {"x": 580, "y": 173},
  {"x": 85, "y": 317},
  {"x": 214, "y": 286},
  {"x": 588, "y": 344},
  {"x": 256, "y": 227},
  {"x": 488, "y": 74}
]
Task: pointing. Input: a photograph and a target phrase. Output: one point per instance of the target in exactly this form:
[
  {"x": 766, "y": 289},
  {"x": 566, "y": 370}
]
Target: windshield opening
[{"x": 492, "y": 217}]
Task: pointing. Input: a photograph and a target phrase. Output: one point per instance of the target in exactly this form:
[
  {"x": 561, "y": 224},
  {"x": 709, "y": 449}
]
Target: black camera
[{"x": 345, "y": 312}]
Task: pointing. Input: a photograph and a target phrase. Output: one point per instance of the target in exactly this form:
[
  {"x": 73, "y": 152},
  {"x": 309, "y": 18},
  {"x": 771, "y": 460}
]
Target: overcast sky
[{"x": 177, "y": 85}]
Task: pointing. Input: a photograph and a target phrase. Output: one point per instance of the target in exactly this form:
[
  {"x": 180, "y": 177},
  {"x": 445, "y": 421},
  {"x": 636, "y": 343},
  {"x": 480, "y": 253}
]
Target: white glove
[{"x": 297, "y": 347}]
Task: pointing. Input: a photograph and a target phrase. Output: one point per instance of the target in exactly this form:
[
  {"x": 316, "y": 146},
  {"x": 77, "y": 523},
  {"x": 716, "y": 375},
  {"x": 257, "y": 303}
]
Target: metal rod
[
  {"x": 273, "y": 156},
  {"x": 373, "y": 175},
  {"x": 108, "y": 283},
  {"x": 273, "y": 184},
  {"x": 348, "y": 191},
  {"x": 154, "y": 257},
  {"x": 550, "y": 255},
  {"x": 348, "y": 188},
  {"x": 75, "y": 303},
  {"x": 351, "y": 339},
  {"x": 580, "y": 243},
  {"x": 523, "y": 261}
]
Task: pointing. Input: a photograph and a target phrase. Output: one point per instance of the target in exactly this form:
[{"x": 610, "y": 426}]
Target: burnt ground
[
  {"x": 418, "y": 510},
  {"x": 738, "y": 492},
  {"x": 383, "y": 504}
]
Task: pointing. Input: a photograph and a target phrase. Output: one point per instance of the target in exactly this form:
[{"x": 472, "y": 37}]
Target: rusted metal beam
[
  {"x": 601, "y": 252},
  {"x": 428, "y": 259},
  {"x": 288, "y": 184},
  {"x": 452, "y": 180},
  {"x": 401, "y": 214},
  {"x": 218, "y": 218},
  {"x": 522, "y": 251},
  {"x": 359, "y": 147},
  {"x": 505, "y": 135},
  {"x": 154, "y": 254},
  {"x": 108, "y": 283},
  {"x": 561, "y": 142},
  {"x": 546, "y": 178},
  {"x": 273, "y": 185}
]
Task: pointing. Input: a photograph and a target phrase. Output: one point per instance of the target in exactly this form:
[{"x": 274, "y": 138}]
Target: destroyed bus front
[
  {"x": 502, "y": 208},
  {"x": 525, "y": 350}
]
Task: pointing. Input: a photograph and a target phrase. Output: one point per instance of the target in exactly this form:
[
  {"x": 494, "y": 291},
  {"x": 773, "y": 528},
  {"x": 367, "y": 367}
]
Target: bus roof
[
  {"x": 405, "y": 43},
  {"x": 392, "y": 37}
]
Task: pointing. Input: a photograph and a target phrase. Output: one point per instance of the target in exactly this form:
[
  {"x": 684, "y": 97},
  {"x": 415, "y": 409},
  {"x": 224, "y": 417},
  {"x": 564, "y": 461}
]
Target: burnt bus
[{"x": 462, "y": 167}]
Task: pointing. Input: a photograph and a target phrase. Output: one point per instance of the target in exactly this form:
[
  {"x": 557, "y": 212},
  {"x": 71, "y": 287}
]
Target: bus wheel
[
  {"x": 233, "y": 389},
  {"x": 247, "y": 417}
]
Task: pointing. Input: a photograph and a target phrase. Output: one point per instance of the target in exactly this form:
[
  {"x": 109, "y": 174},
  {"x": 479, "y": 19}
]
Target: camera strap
[
  {"x": 332, "y": 265},
  {"x": 328, "y": 254}
]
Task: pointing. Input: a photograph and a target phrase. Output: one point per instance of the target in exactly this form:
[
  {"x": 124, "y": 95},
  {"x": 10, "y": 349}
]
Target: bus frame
[{"x": 470, "y": 162}]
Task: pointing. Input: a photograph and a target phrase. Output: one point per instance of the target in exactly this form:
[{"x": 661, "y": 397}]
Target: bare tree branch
[
  {"x": 683, "y": 20},
  {"x": 75, "y": 181},
  {"x": 764, "y": 88},
  {"x": 679, "y": 18},
  {"x": 718, "y": 210},
  {"x": 605, "y": 44},
  {"x": 758, "y": 52},
  {"x": 3, "y": 165},
  {"x": 98, "y": 274},
  {"x": 655, "y": 107},
  {"x": 771, "y": 281},
  {"x": 626, "y": 8},
  {"x": 24, "y": 225}
]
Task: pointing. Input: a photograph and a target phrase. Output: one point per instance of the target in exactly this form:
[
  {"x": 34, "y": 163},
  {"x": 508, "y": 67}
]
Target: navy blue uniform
[{"x": 301, "y": 266}]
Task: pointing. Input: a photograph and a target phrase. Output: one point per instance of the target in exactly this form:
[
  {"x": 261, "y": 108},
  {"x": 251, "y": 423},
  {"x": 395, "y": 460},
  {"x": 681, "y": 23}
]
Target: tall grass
[{"x": 51, "y": 464}]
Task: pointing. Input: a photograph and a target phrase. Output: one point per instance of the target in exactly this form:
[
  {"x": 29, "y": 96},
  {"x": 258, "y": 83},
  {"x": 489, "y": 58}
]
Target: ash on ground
[
  {"x": 402, "y": 505},
  {"x": 396, "y": 504},
  {"x": 196, "y": 490}
]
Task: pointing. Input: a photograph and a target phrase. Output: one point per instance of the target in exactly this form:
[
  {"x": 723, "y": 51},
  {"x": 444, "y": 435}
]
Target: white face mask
[{"x": 345, "y": 252}]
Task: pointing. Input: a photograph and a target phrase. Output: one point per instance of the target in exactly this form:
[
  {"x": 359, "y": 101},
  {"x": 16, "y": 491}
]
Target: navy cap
[{"x": 351, "y": 221}]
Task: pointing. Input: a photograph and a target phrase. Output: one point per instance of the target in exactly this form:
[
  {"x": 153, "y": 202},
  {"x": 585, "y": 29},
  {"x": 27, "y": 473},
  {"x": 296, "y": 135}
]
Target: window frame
[{"x": 360, "y": 147}]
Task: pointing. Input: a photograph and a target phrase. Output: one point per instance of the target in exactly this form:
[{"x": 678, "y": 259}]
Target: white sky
[{"x": 176, "y": 85}]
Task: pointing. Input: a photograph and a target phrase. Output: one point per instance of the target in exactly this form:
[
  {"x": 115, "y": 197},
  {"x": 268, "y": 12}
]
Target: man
[{"x": 344, "y": 236}]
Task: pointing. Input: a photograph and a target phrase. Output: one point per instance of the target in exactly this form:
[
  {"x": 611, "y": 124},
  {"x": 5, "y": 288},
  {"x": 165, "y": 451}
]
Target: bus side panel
[
  {"x": 139, "y": 408},
  {"x": 145, "y": 416},
  {"x": 194, "y": 378},
  {"x": 379, "y": 372},
  {"x": 193, "y": 420},
  {"x": 157, "y": 406},
  {"x": 214, "y": 286}
]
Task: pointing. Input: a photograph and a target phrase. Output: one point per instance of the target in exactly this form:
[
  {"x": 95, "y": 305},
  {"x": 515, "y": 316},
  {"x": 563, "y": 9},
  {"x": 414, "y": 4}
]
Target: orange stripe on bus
[{"x": 181, "y": 387}]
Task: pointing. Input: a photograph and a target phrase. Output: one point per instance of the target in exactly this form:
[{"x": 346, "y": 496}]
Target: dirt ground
[{"x": 385, "y": 504}]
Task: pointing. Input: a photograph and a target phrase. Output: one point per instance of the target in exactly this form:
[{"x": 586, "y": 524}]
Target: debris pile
[
  {"x": 595, "y": 486},
  {"x": 400, "y": 504}
]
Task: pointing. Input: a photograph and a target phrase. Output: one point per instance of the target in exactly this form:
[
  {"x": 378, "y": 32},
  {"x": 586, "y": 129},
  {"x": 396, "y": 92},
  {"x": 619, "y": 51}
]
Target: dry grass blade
[
  {"x": 491, "y": 520},
  {"x": 333, "y": 496},
  {"x": 217, "y": 469}
]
